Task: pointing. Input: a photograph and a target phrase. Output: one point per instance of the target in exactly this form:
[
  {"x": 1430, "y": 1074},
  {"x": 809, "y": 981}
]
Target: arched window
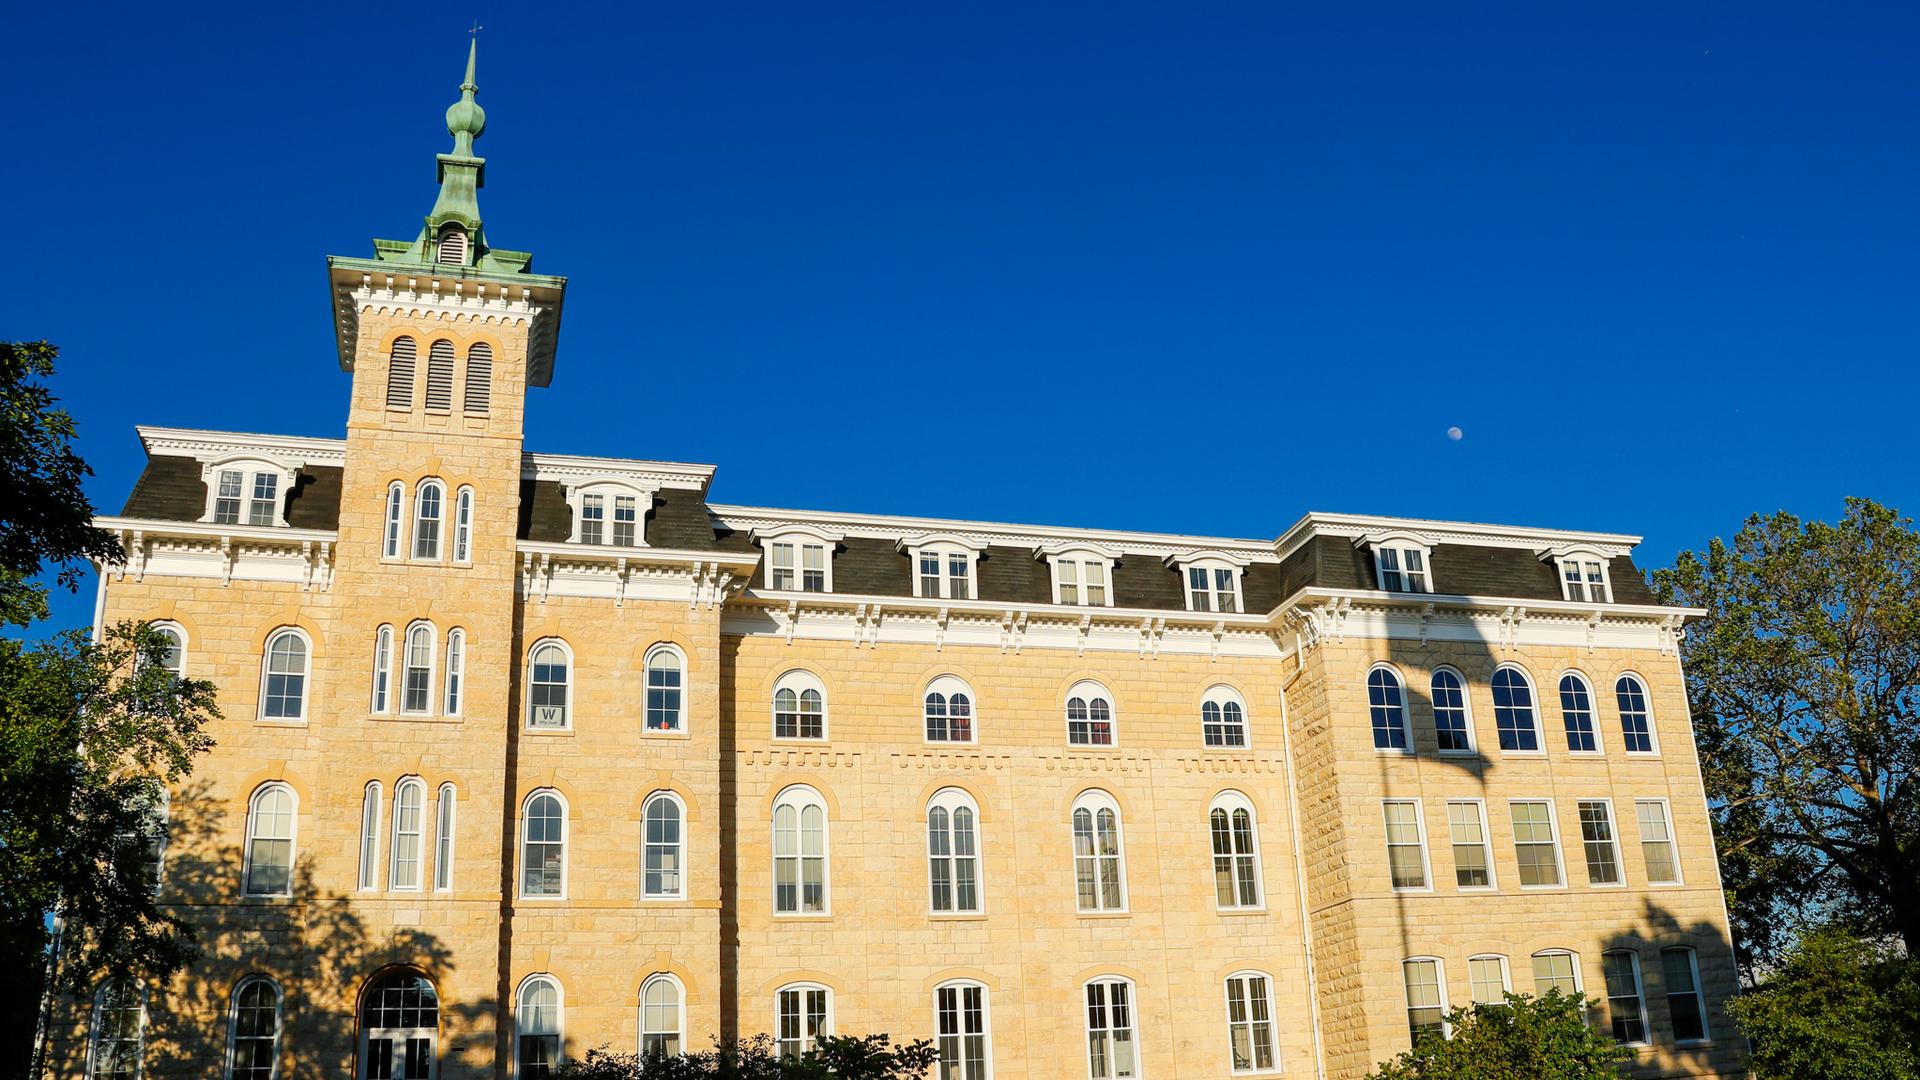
[
  {"x": 409, "y": 827},
  {"x": 399, "y": 1027},
  {"x": 799, "y": 707},
  {"x": 549, "y": 682},
  {"x": 1556, "y": 969},
  {"x": 802, "y": 1013},
  {"x": 1626, "y": 1004},
  {"x": 953, "y": 851},
  {"x": 1680, "y": 970},
  {"x": 456, "y": 669},
  {"x": 536, "y": 1028},
  {"x": 173, "y": 648},
  {"x": 963, "y": 1037},
  {"x": 1111, "y": 1050},
  {"x": 1387, "y": 706},
  {"x": 662, "y": 1016},
  {"x": 453, "y": 246},
  {"x": 1487, "y": 976},
  {"x": 396, "y": 512},
  {"x": 270, "y": 834},
  {"x": 370, "y": 800},
  {"x": 1250, "y": 1035},
  {"x": 664, "y": 667},
  {"x": 427, "y": 510},
  {"x": 119, "y": 1031},
  {"x": 664, "y": 856},
  {"x": 440, "y": 376},
  {"x": 445, "y": 805},
  {"x": 1452, "y": 726},
  {"x": 253, "y": 1040},
  {"x": 799, "y": 852},
  {"x": 416, "y": 689},
  {"x": 283, "y": 691},
  {"x": 463, "y": 526},
  {"x": 1099, "y": 867},
  {"x": 400, "y": 364},
  {"x": 1236, "y": 852},
  {"x": 1576, "y": 707},
  {"x": 1513, "y": 710},
  {"x": 543, "y": 846},
  {"x": 1089, "y": 715},
  {"x": 383, "y": 669},
  {"x": 1636, "y": 719},
  {"x": 949, "y": 710},
  {"x": 1223, "y": 718},
  {"x": 479, "y": 392},
  {"x": 1426, "y": 996}
]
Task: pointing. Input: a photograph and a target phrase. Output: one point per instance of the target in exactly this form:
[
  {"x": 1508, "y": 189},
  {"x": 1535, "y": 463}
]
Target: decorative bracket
[
  {"x": 1593, "y": 627},
  {"x": 1086, "y": 625},
  {"x": 1426, "y": 615},
  {"x": 226, "y": 561},
  {"x": 792, "y": 619},
  {"x": 940, "y": 630},
  {"x": 1219, "y": 631},
  {"x": 620, "y": 583}
]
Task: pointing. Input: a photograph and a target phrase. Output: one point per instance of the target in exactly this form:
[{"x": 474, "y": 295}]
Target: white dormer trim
[
  {"x": 286, "y": 472},
  {"x": 610, "y": 486},
  {"x": 801, "y": 537},
  {"x": 1081, "y": 556},
  {"x": 1208, "y": 561},
  {"x": 1574, "y": 565},
  {"x": 943, "y": 546},
  {"x": 1402, "y": 543}
]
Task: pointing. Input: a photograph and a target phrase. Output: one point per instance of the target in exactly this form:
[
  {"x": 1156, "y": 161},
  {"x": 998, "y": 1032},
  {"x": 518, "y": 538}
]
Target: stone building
[{"x": 525, "y": 753}]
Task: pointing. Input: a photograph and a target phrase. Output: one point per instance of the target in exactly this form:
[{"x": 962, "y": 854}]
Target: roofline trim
[
  {"x": 204, "y": 445},
  {"x": 1519, "y": 606},
  {"x": 577, "y": 468},
  {"x": 1319, "y": 523},
  {"x": 1003, "y": 534}
]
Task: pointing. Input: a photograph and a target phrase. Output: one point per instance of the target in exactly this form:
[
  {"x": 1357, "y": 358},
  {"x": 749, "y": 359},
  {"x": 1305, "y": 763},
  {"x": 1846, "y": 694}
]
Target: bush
[
  {"x": 842, "y": 1057},
  {"x": 1840, "y": 1008},
  {"x": 1527, "y": 1038}
]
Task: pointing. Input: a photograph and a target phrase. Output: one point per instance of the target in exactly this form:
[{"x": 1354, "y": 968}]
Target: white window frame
[
  {"x": 799, "y": 680},
  {"x": 1613, "y": 831},
  {"x": 1584, "y": 560},
  {"x": 249, "y": 466},
  {"x": 1466, "y": 708},
  {"x": 419, "y": 836},
  {"x": 1533, "y": 695},
  {"x": 1440, "y": 981},
  {"x": 1673, "y": 841},
  {"x": 372, "y": 810},
  {"x": 1506, "y": 977},
  {"x": 306, "y": 676},
  {"x": 806, "y": 1042},
  {"x": 1271, "y": 1024},
  {"x": 1593, "y": 712},
  {"x": 382, "y": 701},
  {"x": 1486, "y": 846},
  {"x": 959, "y": 987},
  {"x": 679, "y": 1031},
  {"x": 463, "y": 526},
  {"x": 140, "y": 1029},
  {"x": 680, "y": 712},
  {"x": 610, "y": 488},
  {"x": 1653, "y": 727},
  {"x": 1211, "y": 562},
  {"x": 251, "y": 835},
  {"x": 801, "y": 796},
  {"x": 559, "y": 1033},
  {"x": 946, "y": 547},
  {"x": 1087, "y": 690},
  {"x": 1406, "y": 711},
  {"x": 799, "y": 537},
  {"x": 446, "y": 814},
  {"x": 569, "y": 708},
  {"x": 1579, "y": 980},
  {"x": 417, "y": 518},
  {"x": 393, "y": 517},
  {"x": 947, "y": 686},
  {"x": 1081, "y": 555},
  {"x": 1094, "y": 800},
  {"x": 1559, "y": 846},
  {"x": 521, "y": 841},
  {"x": 1420, "y": 831},
  {"x": 951, "y": 799},
  {"x": 1132, "y": 1027},
  {"x": 679, "y": 846},
  {"x": 1639, "y": 993},
  {"x": 179, "y": 634},
  {"x": 1220, "y": 695},
  {"x": 1400, "y": 543},
  {"x": 1230, "y": 801},
  {"x": 233, "y": 1021},
  {"x": 1699, "y": 994},
  {"x": 453, "y": 679},
  {"x": 406, "y": 667}
]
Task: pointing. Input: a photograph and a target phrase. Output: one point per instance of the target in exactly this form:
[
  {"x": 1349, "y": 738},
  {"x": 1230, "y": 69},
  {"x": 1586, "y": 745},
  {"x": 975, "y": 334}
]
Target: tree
[
  {"x": 1839, "y": 1008},
  {"x": 1526, "y": 1038},
  {"x": 1804, "y": 680},
  {"x": 840, "y": 1057}
]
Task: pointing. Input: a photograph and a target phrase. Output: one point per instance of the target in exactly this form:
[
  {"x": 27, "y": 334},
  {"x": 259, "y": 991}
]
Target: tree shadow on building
[{"x": 1659, "y": 931}]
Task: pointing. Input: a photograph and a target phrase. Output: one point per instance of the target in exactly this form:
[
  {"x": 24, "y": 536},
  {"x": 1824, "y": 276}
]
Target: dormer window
[
  {"x": 1082, "y": 573},
  {"x": 943, "y": 565},
  {"x": 1583, "y": 575},
  {"x": 1212, "y": 580},
  {"x": 609, "y": 512},
  {"x": 247, "y": 491},
  {"x": 799, "y": 558},
  {"x": 453, "y": 246},
  {"x": 1401, "y": 562}
]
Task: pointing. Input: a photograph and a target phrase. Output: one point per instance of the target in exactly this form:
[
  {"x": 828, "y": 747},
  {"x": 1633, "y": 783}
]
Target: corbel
[
  {"x": 696, "y": 578},
  {"x": 1426, "y": 616},
  {"x": 1020, "y": 632},
  {"x": 526, "y": 574},
  {"x": 873, "y": 630},
  {"x": 546, "y": 575},
  {"x": 306, "y": 556},
  {"x": 859, "y": 625},
  {"x": 139, "y": 556},
  {"x": 720, "y": 586},
  {"x": 1146, "y": 635},
  {"x": 1593, "y": 627},
  {"x": 1219, "y": 631},
  {"x": 793, "y": 618},
  {"x": 940, "y": 630},
  {"x": 326, "y": 566},
  {"x": 1086, "y": 626},
  {"x": 620, "y": 583},
  {"x": 226, "y": 561}
]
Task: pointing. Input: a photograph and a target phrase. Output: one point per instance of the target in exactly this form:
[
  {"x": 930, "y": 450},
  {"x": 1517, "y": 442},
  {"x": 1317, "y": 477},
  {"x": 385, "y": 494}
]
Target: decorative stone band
[
  {"x": 303, "y": 557},
  {"x": 1313, "y": 616},
  {"x": 617, "y": 574}
]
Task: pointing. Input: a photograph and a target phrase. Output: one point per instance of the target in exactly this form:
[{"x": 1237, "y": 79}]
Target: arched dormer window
[
  {"x": 799, "y": 558},
  {"x": 478, "y": 397},
  {"x": 1082, "y": 573},
  {"x": 429, "y": 510},
  {"x": 1402, "y": 561},
  {"x": 942, "y": 565},
  {"x": 1582, "y": 573},
  {"x": 400, "y": 371},
  {"x": 1212, "y": 580},
  {"x": 247, "y": 489},
  {"x": 609, "y": 511},
  {"x": 440, "y": 376},
  {"x": 452, "y": 249}
]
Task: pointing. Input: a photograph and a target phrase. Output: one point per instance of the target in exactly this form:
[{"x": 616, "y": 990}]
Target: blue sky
[{"x": 1194, "y": 268}]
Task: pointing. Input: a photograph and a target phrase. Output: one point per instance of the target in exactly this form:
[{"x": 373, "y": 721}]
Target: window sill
[
  {"x": 803, "y": 916},
  {"x": 1524, "y": 753},
  {"x": 565, "y": 732},
  {"x": 1104, "y": 914},
  {"x": 1544, "y": 888},
  {"x": 673, "y": 735},
  {"x": 957, "y": 916},
  {"x": 1693, "y": 1044},
  {"x": 1095, "y": 747},
  {"x": 1394, "y": 751},
  {"x": 413, "y": 718},
  {"x": 949, "y": 744},
  {"x": 1466, "y": 753},
  {"x": 663, "y": 900},
  {"x": 1240, "y": 912},
  {"x": 540, "y": 899},
  {"x": 792, "y": 740},
  {"x": 277, "y": 722}
]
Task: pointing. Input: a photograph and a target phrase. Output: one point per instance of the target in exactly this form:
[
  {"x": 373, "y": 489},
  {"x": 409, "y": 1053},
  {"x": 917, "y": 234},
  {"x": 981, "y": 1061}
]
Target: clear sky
[{"x": 1194, "y": 268}]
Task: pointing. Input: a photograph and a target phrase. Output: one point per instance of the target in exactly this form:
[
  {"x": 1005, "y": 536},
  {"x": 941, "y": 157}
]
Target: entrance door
[{"x": 399, "y": 1028}]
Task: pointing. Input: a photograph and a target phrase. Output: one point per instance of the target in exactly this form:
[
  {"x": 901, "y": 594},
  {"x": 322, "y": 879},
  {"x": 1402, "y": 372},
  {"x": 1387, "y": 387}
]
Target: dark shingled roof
[{"x": 170, "y": 489}]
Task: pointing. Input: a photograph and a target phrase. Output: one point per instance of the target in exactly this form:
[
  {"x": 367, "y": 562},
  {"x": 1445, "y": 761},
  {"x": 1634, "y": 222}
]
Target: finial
[{"x": 465, "y": 118}]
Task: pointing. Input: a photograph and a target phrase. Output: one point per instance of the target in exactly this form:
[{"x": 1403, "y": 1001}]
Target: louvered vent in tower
[
  {"x": 453, "y": 246},
  {"x": 400, "y": 374},
  {"x": 440, "y": 376},
  {"x": 479, "y": 379}
]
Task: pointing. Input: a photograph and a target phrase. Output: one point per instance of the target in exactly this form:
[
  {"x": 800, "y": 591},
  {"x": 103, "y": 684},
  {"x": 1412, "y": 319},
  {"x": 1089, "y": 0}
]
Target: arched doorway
[{"x": 399, "y": 1027}]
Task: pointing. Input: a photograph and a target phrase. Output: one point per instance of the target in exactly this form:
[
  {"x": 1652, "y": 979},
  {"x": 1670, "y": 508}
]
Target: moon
[{"x": 1456, "y": 434}]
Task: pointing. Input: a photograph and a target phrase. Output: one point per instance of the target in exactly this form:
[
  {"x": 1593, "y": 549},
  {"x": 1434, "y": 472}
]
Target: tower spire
[{"x": 462, "y": 173}]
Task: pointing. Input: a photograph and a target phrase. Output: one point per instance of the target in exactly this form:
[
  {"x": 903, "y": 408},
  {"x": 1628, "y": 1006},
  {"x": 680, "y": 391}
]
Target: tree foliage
[
  {"x": 1804, "y": 678},
  {"x": 1839, "y": 1008},
  {"x": 1526, "y": 1038},
  {"x": 841, "y": 1057}
]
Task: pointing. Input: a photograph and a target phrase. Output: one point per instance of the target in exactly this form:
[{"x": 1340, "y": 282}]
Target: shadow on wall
[{"x": 1677, "y": 986}]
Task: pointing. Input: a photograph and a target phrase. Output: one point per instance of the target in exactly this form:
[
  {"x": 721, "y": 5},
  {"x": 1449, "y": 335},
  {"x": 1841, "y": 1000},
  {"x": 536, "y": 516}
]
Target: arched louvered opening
[
  {"x": 479, "y": 395},
  {"x": 400, "y": 369},
  {"x": 440, "y": 376},
  {"x": 453, "y": 246}
]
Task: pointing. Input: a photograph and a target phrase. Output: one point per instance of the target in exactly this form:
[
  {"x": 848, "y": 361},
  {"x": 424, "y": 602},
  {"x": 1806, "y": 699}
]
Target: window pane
[{"x": 1596, "y": 836}]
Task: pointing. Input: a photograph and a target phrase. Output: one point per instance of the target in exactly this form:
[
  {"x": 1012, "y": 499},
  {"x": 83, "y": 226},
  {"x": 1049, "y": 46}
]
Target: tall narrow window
[
  {"x": 479, "y": 390},
  {"x": 284, "y": 689},
  {"x": 253, "y": 1045},
  {"x": 1472, "y": 855},
  {"x": 663, "y": 689},
  {"x": 409, "y": 814},
  {"x": 1656, "y": 842},
  {"x": 960, "y": 1029},
  {"x": 1110, "y": 1033},
  {"x": 383, "y": 669},
  {"x": 593, "y": 519},
  {"x": 416, "y": 688},
  {"x": 1426, "y": 998},
  {"x": 1626, "y": 1006},
  {"x": 427, "y": 510},
  {"x": 953, "y": 853},
  {"x": 1223, "y": 719},
  {"x": 1452, "y": 730},
  {"x": 456, "y": 670},
  {"x": 948, "y": 711},
  {"x": 799, "y": 707},
  {"x": 548, "y": 669},
  {"x": 264, "y": 507},
  {"x": 1555, "y": 970},
  {"x": 664, "y": 854},
  {"x": 270, "y": 824},
  {"x": 536, "y": 1025},
  {"x": 440, "y": 376},
  {"x": 660, "y": 1024},
  {"x": 370, "y": 837},
  {"x": 1576, "y": 707},
  {"x": 400, "y": 373},
  {"x": 802, "y": 1013},
  {"x": 799, "y": 853},
  {"x": 226, "y": 497},
  {"x": 1250, "y": 1036},
  {"x": 1602, "y": 848},
  {"x": 1681, "y": 972},
  {"x": 543, "y": 846},
  {"x": 119, "y": 1030},
  {"x": 1534, "y": 844},
  {"x": 1089, "y": 715},
  {"x": 1236, "y": 860},
  {"x": 445, "y": 806},
  {"x": 1406, "y": 844},
  {"x": 1488, "y": 976},
  {"x": 1388, "y": 710},
  {"x": 626, "y": 519},
  {"x": 1099, "y": 869},
  {"x": 1513, "y": 710},
  {"x": 463, "y": 526},
  {"x": 1636, "y": 720},
  {"x": 396, "y": 511}
]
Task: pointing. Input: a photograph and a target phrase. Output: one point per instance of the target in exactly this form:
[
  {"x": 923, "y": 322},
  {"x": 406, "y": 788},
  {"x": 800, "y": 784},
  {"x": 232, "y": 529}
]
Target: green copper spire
[{"x": 466, "y": 120}]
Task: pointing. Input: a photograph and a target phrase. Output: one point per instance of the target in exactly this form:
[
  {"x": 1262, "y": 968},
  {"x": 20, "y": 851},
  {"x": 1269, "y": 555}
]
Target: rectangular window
[
  {"x": 1402, "y": 569},
  {"x": 960, "y": 1021},
  {"x": 1211, "y": 589},
  {"x": 1683, "y": 995},
  {"x": 1426, "y": 999},
  {"x": 1110, "y": 1053},
  {"x": 1472, "y": 856},
  {"x": 1081, "y": 581},
  {"x": 1534, "y": 843},
  {"x": 802, "y": 1020},
  {"x": 1554, "y": 971},
  {"x": 593, "y": 519},
  {"x": 443, "y": 841},
  {"x": 1584, "y": 580},
  {"x": 945, "y": 574},
  {"x": 958, "y": 566},
  {"x": 1250, "y": 1023},
  {"x": 1596, "y": 836},
  {"x": 929, "y": 573},
  {"x": 226, "y": 498},
  {"x": 626, "y": 516},
  {"x": 1488, "y": 974},
  {"x": 1625, "y": 1009},
  {"x": 1656, "y": 842},
  {"x": 780, "y": 568},
  {"x": 264, "y": 507},
  {"x": 813, "y": 568},
  {"x": 1067, "y": 577},
  {"x": 1406, "y": 853}
]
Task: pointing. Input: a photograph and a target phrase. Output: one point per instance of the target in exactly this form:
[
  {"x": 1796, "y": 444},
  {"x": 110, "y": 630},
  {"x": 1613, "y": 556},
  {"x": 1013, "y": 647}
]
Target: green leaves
[
  {"x": 1838, "y": 1009},
  {"x": 1527, "y": 1038},
  {"x": 840, "y": 1057}
]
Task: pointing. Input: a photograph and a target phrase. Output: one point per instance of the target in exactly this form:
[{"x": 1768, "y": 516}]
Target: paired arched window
[
  {"x": 664, "y": 857},
  {"x": 409, "y": 834},
  {"x": 479, "y": 391},
  {"x": 949, "y": 710},
  {"x": 1487, "y": 977},
  {"x": 1112, "y": 1053},
  {"x": 1236, "y": 851},
  {"x": 665, "y": 678},
  {"x": 119, "y": 1031},
  {"x": 962, "y": 1034},
  {"x": 799, "y": 852},
  {"x": 399, "y": 1026},
  {"x": 400, "y": 370},
  {"x": 429, "y": 507},
  {"x": 953, "y": 851},
  {"x": 253, "y": 1039},
  {"x": 1250, "y": 1028},
  {"x": 1576, "y": 708},
  {"x": 271, "y": 816},
  {"x": 456, "y": 671},
  {"x": 445, "y": 808},
  {"x": 1636, "y": 718},
  {"x": 662, "y": 1016},
  {"x": 1513, "y": 713},
  {"x": 536, "y": 1028},
  {"x": 440, "y": 376},
  {"x": 395, "y": 516},
  {"x": 463, "y": 526},
  {"x": 1387, "y": 710},
  {"x": 543, "y": 846},
  {"x": 549, "y": 684},
  {"x": 370, "y": 800},
  {"x": 1223, "y": 718},
  {"x": 1452, "y": 724},
  {"x": 1099, "y": 867},
  {"x": 283, "y": 678},
  {"x": 1556, "y": 969},
  {"x": 416, "y": 686},
  {"x": 799, "y": 707},
  {"x": 1089, "y": 715},
  {"x": 802, "y": 1012}
]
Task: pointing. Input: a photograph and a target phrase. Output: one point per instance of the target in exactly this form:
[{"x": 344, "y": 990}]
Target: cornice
[
  {"x": 363, "y": 288},
  {"x": 1356, "y": 526},
  {"x": 575, "y": 468},
  {"x": 887, "y": 527},
  {"x": 207, "y": 446}
]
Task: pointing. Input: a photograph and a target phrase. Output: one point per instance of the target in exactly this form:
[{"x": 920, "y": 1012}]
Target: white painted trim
[
  {"x": 1419, "y": 831},
  {"x": 233, "y": 1018},
  {"x": 420, "y": 838},
  {"x": 1230, "y": 800},
  {"x": 1094, "y": 800},
  {"x": 1613, "y": 833},
  {"x": 679, "y": 848},
  {"x": 951, "y": 798},
  {"x": 986, "y": 1020},
  {"x": 521, "y": 841},
  {"x": 800, "y": 797},
  {"x": 205, "y": 445},
  {"x": 1133, "y": 1021},
  {"x": 1272, "y": 1024},
  {"x": 1000, "y": 534},
  {"x": 1444, "y": 532},
  {"x": 573, "y": 468},
  {"x": 559, "y": 1019},
  {"x": 1479, "y": 805},
  {"x": 680, "y": 1010},
  {"x": 248, "y": 836}
]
